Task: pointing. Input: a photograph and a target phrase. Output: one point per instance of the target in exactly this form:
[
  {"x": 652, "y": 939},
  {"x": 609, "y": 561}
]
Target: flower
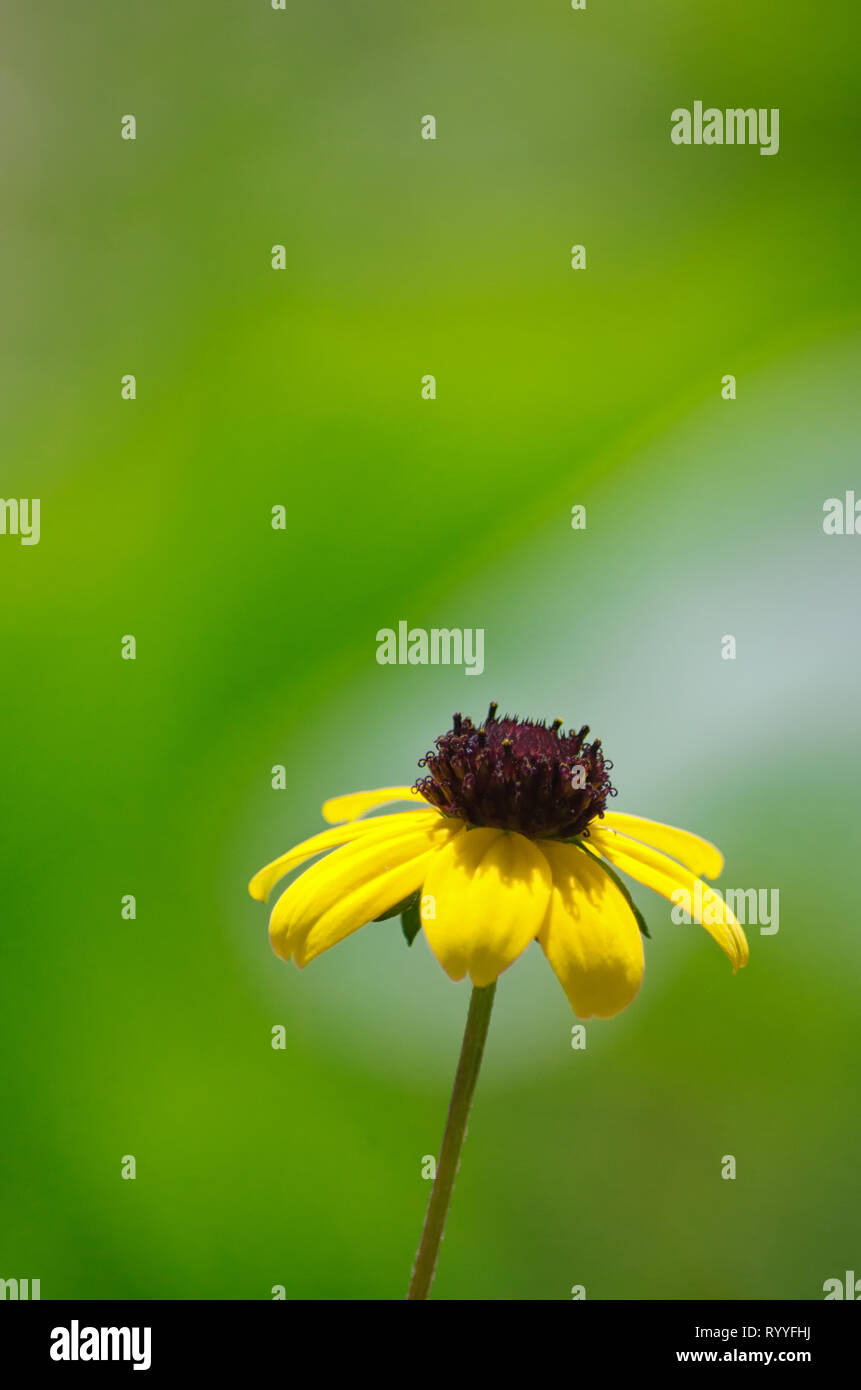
[{"x": 508, "y": 840}]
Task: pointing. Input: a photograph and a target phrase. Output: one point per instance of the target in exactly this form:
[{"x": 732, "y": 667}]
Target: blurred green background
[{"x": 257, "y": 647}]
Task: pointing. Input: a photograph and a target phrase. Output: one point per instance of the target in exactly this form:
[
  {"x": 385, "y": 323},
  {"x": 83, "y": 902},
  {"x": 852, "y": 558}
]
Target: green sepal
[
  {"x": 398, "y": 908},
  {"x": 623, "y": 888},
  {"x": 411, "y": 922}
]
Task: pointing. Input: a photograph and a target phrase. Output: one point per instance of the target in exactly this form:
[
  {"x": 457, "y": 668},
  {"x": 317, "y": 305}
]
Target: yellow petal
[
  {"x": 697, "y": 854},
  {"x": 320, "y": 886},
  {"x": 368, "y": 898},
  {"x": 487, "y": 891},
  {"x": 655, "y": 870},
  {"x": 355, "y": 804},
  {"x": 590, "y": 935},
  {"x": 263, "y": 882}
]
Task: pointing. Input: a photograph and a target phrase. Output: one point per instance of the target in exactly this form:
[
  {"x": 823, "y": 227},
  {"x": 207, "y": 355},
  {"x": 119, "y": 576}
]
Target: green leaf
[
  {"x": 623, "y": 888},
  {"x": 411, "y": 922}
]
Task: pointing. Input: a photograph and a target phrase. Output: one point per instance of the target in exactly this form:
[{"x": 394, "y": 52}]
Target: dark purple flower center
[{"x": 518, "y": 775}]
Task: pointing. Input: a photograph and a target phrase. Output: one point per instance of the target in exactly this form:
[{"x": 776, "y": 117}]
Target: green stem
[{"x": 474, "y": 1037}]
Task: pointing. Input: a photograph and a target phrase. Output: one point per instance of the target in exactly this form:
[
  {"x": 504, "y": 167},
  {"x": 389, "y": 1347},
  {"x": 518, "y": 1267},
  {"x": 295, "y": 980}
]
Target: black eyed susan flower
[{"x": 508, "y": 839}]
